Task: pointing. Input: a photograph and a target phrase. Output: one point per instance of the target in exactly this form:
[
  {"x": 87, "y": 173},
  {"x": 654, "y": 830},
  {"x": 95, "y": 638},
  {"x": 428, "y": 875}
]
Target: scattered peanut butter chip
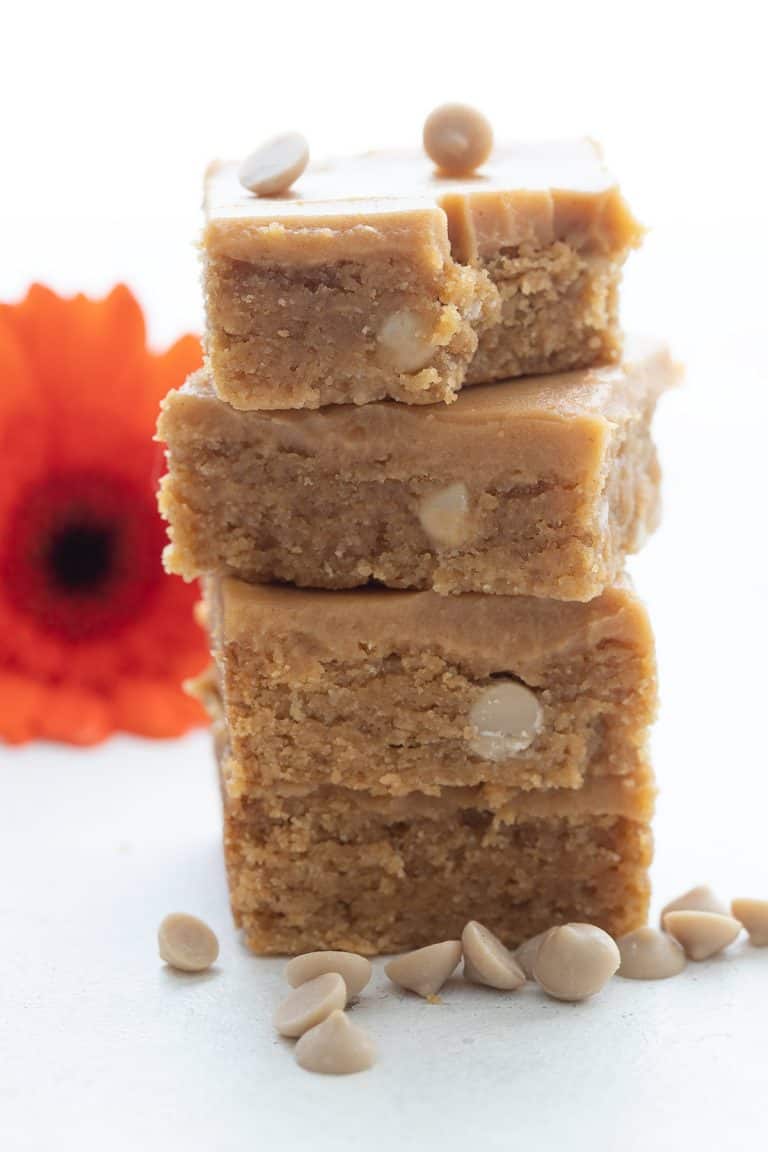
[
  {"x": 443, "y": 515},
  {"x": 404, "y": 341},
  {"x": 355, "y": 970},
  {"x": 425, "y": 970},
  {"x": 698, "y": 899},
  {"x": 187, "y": 943},
  {"x": 457, "y": 138},
  {"x": 310, "y": 1004},
  {"x": 507, "y": 717},
  {"x": 575, "y": 961},
  {"x": 527, "y": 952},
  {"x": 753, "y": 914},
  {"x": 487, "y": 961},
  {"x": 702, "y": 934},
  {"x": 276, "y": 165},
  {"x": 648, "y": 954},
  {"x": 336, "y": 1047}
]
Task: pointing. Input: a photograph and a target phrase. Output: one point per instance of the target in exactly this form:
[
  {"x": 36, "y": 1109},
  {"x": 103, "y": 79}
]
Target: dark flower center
[
  {"x": 82, "y": 554},
  {"x": 80, "y": 557}
]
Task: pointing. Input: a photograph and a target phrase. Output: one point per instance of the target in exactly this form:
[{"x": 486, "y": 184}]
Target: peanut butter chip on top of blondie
[
  {"x": 335, "y": 1047},
  {"x": 355, "y": 970},
  {"x": 702, "y": 934},
  {"x": 425, "y": 970},
  {"x": 647, "y": 954},
  {"x": 487, "y": 961},
  {"x": 753, "y": 914},
  {"x": 575, "y": 961},
  {"x": 506, "y": 717},
  {"x": 310, "y": 1004},
  {"x": 457, "y": 138},
  {"x": 698, "y": 899},
  {"x": 186, "y": 943},
  {"x": 276, "y": 165}
]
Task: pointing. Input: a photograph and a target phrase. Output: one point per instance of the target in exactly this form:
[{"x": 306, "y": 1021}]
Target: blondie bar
[
  {"x": 392, "y": 692},
  {"x": 377, "y": 277},
  {"x": 333, "y": 868},
  {"x": 535, "y": 487}
]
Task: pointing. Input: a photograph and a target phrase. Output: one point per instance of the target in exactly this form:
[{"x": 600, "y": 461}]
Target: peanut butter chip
[
  {"x": 699, "y": 899},
  {"x": 443, "y": 515},
  {"x": 310, "y": 1004},
  {"x": 425, "y": 970},
  {"x": 648, "y": 954},
  {"x": 187, "y": 943},
  {"x": 575, "y": 961},
  {"x": 702, "y": 934},
  {"x": 507, "y": 717},
  {"x": 404, "y": 342},
  {"x": 355, "y": 970},
  {"x": 753, "y": 914},
  {"x": 457, "y": 138},
  {"x": 336, "y": 1047},
  {"x": 527, "y": 952},
  {"x": 276, "y": 165},
  {"x": 487, "y": 961}
]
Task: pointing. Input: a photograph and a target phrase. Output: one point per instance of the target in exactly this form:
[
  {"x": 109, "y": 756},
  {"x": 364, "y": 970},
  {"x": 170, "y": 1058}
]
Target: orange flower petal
[
  {"x": 22, "y": 702},
  {"x": 155, "y": 709},
  {"x": 78, "y": 404},
  {"x": 23, "y": 426},
  {"x": 75, "y": 716},
  {"x": 170, "y": 369}
]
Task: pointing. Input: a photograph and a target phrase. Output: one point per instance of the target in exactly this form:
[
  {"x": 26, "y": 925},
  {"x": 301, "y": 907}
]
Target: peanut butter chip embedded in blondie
[
  {"x": 444, "y": 515},
  {"x": 526, "y": 953},
  {"x": 753, "y": 914},
  {"x": 404, "y": 342},
  {"x": 647, "y": 954},
  {"x": 276, "y": 165},
  {"x": 355, "y": 970},
  {"x": 575, "y": 961},
  {"x": 335, "y": 1047},
  {"x": 507, "y": 718},
  {"x": 702, "y": 934},
  {"x": 425, "y": 970},
  {"x": 187, "y": 943},
  {"x": 457, "y": 138},
  {"x": 310, "y": 1004},
  {"x": 698, "y": 899},
  {"x": 487, "y": 961}
]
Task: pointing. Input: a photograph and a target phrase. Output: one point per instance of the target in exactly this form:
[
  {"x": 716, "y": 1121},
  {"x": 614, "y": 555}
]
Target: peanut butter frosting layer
[
  {"x": 529, "y": 192},
  {"x": 487, "y": 632},
  {"x": 530, "y": 425},
  {"x": 631, "y": 797}
]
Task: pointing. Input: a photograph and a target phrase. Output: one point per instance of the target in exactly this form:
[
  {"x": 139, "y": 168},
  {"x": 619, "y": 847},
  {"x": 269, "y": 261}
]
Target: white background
[{"x": 109, "y": 114}]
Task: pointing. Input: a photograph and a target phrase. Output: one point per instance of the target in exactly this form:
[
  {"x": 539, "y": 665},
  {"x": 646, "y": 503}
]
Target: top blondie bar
[{"x": 377, "y": 277}]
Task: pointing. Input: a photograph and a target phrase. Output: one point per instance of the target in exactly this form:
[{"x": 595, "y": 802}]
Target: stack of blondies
[{"x": 409, "y": 476}]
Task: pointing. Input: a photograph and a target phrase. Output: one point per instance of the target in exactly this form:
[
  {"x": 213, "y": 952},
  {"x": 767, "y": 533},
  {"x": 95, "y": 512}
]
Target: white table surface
[{"x": 101, "y": 1047}]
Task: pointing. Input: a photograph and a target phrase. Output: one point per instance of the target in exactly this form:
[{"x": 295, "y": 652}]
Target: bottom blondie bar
[{"x": 336, "y": 869}]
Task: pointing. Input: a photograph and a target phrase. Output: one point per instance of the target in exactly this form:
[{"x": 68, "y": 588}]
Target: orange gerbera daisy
[{"x": 94, "y": 637}]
